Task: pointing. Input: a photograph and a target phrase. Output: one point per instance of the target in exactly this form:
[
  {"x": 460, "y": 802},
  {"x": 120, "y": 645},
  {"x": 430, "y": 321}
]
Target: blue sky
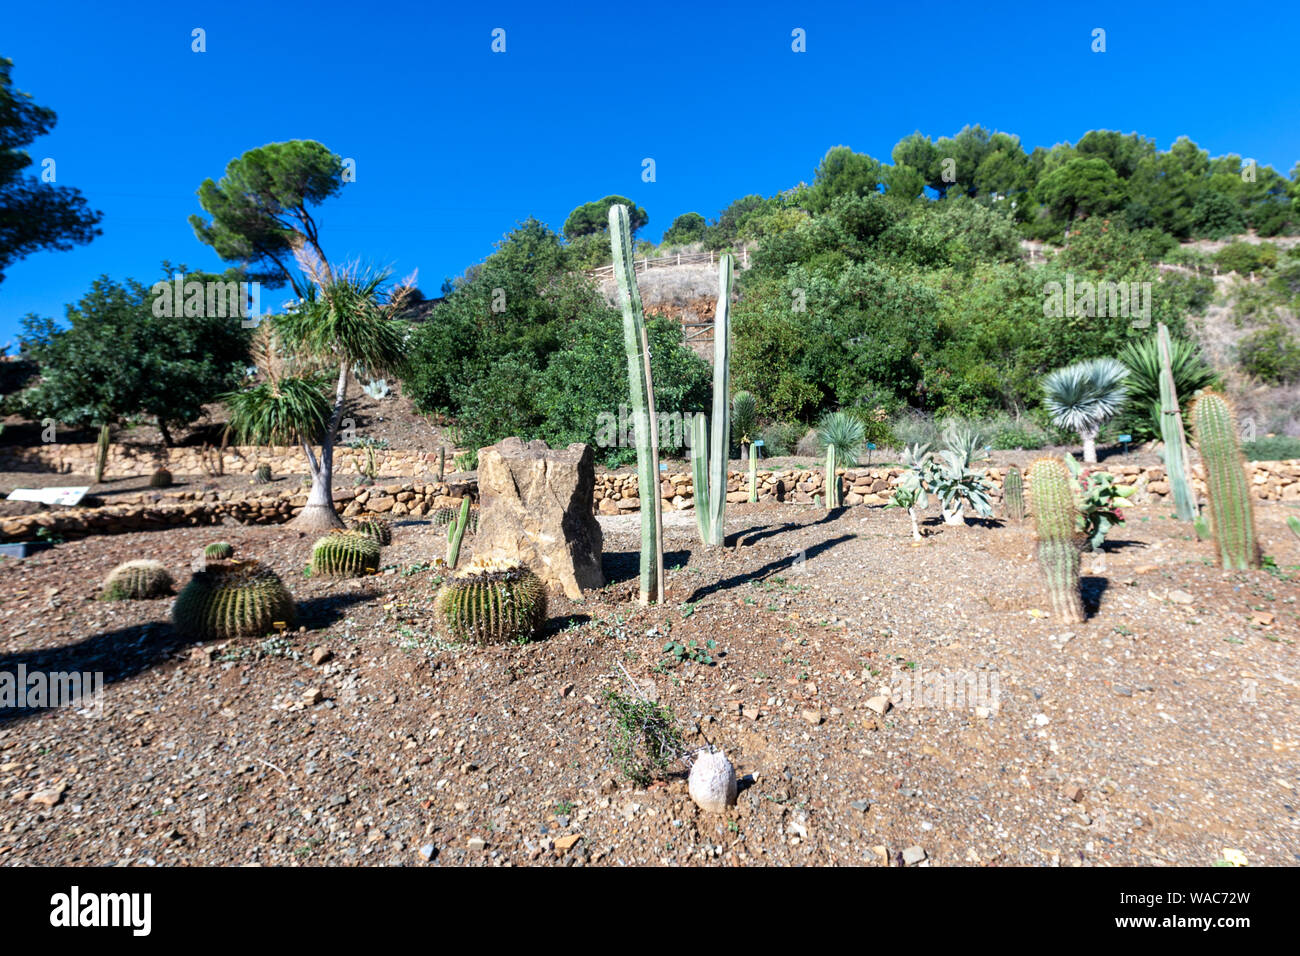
[{"x": 454, "y": 143}]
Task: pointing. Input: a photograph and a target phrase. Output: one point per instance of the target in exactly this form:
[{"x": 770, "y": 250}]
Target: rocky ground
[{"x": 1165, "y": 730}]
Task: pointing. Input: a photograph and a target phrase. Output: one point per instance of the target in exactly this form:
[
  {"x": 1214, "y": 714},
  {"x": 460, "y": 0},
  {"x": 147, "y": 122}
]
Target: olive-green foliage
[
  {"x": 1271, "y": 354},
  {"x": 1227, "y": 489},
  {"x": 262, "y": 475},
  {"x": 1273, "y": 448},
  {"x": 218, "y": 551},
  {"x": 644, "y": 739},
  {"x": 345, "y": 554},
  {"x": 493, "y": 605},
  {"x": 744, "y": 417},
  {"x": 1142, "y": 359},
  {"x": 232, "y": 599},
  {"x": 373, "y": 526},
  {"x": 137, "y": 579},
  {"x": 162, "y": 478},
  {"x": 1013, "y": 494},
  {"x": 1058, "y": 553}
]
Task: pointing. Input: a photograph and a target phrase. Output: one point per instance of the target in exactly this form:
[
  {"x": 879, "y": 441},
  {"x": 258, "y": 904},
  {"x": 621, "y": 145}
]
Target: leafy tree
[
  {"x": 260, "y": 213},
  {"x": 1216, "y": 215},
  {"x": 593, "y": 218},
  {"x": 734, "y": 222},
  {"x": 34, "y": 215},
  {"x": 1080, "y": 186},
  {"x": 842, "y": 172},
  {"x": 687, "y": 228},
  {"x": 904, "y": 182},
  {"x": 118, "y": 359}
]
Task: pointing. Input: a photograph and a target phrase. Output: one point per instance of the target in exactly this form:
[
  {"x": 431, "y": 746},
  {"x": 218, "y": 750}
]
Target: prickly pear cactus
[
  {"x": 1231, "y": 509},
  {"x": 1058, "y": 552},
  {"x": 493, "y": 602}
]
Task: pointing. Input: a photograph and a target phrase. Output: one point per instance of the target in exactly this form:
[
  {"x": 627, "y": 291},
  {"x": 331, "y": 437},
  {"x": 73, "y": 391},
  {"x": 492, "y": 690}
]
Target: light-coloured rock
[{"x": 712, "y": 783}]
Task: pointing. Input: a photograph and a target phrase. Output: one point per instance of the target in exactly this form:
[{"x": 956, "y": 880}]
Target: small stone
[
  {"x": 314, "y": 696},
  {"x": 1041, "y": 720},
  {"x": 1179, "y": 597},
  {"x": 567, "y": 841},
  {"x": 428, "y": 852},
  {"x": 813, "y": 717},
  {"x": 878, "y": 704},
  {"x": 476, "y": 844},
  {"x": 50, "y": 797},
  {"x": 913, "y": 855},
  {"x": 861, "y": 806},
  {"x": 1073, "y": 793},
  {"x": 320, "y": 655}
]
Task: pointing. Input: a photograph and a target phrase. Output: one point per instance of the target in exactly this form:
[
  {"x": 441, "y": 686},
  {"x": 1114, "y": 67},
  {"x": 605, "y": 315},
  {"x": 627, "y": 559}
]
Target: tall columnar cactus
[
  {"x": 345, "y": 554},
  {"x": 753, "y": 474},
  {"x": 709, "y": 456},
  {"x": 1013, "y": 494},
  {"x": 1232, "y": 514},
  {"x": 456, "y": 532},
  {"x": 832, "y": 479},
  {"x": 493, "y": 602},
  {"x": 373, "y": 526},
  {"x": 1054, "y": 519},
  {"x": 101, "y": 453},
  {"x": 641, "y": 389},
  {"x": 233, "y": 599},
  {"x": 136, "y": 580},
  {"x": 1171, "y": 431}
]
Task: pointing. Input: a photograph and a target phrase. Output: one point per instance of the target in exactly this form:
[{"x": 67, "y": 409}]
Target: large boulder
[{"x": 535, "y": 507}]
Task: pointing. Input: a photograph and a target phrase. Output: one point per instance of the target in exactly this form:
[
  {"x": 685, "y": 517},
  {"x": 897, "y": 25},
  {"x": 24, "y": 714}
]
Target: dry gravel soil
[{"x": 1165, "y": 730}]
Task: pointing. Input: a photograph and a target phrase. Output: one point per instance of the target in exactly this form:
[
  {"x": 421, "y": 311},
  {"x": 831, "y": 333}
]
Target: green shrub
[
  {"x": 781, "y": 438},
  {"x": 1271, "y": 354},
  {"x": 1246, "y": 257},
  {"x": 644, "y": 739},
  {"x": 1272, "y": 448}
]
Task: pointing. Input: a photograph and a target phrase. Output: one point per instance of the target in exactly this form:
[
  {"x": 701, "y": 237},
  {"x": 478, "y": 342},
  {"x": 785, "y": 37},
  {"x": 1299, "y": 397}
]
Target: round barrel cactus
[
  {"x": 218, "y": 551},
  {"x": 137, "y": 579},
  {"x": 233, "y": 599},
  {"x": 373, "y": 526},
  {"x": 162, "y": 478},
  {"x": 345, "y": 554},
  {"x": 493, "y": 602},
  {"x": 262, "y": 475}
]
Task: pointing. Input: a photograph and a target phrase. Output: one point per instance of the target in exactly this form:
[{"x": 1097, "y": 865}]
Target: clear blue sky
[{"x": 453, "y": 143}]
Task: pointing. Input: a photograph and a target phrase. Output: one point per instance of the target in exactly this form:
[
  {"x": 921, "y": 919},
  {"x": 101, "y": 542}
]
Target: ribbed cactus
[
  {"x": 753, "y": 474},
  {"x": 1232, "y": 513},
  {"x": 710, "y": 455},
  {"x": 373, "y": 526},
  {"x": 1013, "y": 494},
  {"x": 832, "y": 479},
  {"x": 233, "y": 599},
  {"x": 135, "y": 580},
  {"x": 455, "y": 532},
  {"x": 446, "y": 515},
  {"x": 641, "y": 389},
  {"x": 1171, "y": 432},
  {"x": 162, "y": 478},
  {"x": 1054, "y": 519},
  {"x": 345, "y": 554},
  {"x": 101, "y": 453},
  {"x": 218, "y": 551},
  {"x": 262, "y": 475},
  {"x": 493, "y": 602},
  {"x": 1294, "y": 524}
]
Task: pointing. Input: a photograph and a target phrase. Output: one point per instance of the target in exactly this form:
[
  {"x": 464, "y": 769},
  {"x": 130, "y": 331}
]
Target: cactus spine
[
  {"x": 709, "y": 457},
  {"x": 832, "y": 480},
  {"x": 345, "y": 554},
  {"x": 136, "y": 580},
  {"x": 233, "y": 599},
  {"x": 101, "y": 453},
  {"x": 1013, "y": 494},
  {"x": 1054, "y": 519},
  {"x": 1171, "y": 431},
  {"x": 641, "y": 389},
  {"x": 753, "y": 474},
  {"x": 1232, "y": 515},
  {"x": 493, "y": 603},
  {"x": 455, "y": 532}
]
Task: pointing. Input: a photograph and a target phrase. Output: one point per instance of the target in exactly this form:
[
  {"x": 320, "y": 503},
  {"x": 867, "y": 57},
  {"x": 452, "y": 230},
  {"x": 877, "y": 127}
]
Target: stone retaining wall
[{"x": 127, "y": 461}]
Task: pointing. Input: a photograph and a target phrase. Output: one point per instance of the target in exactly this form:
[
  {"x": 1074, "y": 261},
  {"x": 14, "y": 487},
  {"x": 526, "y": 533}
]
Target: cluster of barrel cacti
[
  {"x": 1013, "y": 494},
  {"x": 1232, "y": 515},
  {"x": 233, "y": 599},
  {"x": 136, "y": 580},
  {"x": 1055, "y": 521},
  {"x": 218, "y": 551},
  {"x": 162, "y": 478},
  {"x": 345, "y": 554},
  {"x": 374, "y": 526},
  {"x": 493, "y": 602}
]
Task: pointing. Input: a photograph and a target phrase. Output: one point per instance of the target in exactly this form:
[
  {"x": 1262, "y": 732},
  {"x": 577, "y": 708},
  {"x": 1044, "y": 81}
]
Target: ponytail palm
[{"x": 1084, "y": 396}]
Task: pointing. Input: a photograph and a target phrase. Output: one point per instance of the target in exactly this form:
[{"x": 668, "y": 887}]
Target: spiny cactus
[
  {"x": 162, "y": 478},
  {"x": 374, "y": 526},
  {"x": 493, "y": 602},
  {"x": 1013, "y": 494},
  {"x": 711, "y": 438},
  {"x": 345, "y": 554},
  {"x": 1232, "y": 513},
  {"x": 262, "y": 475},
  {"x": 137, "y": 579},
  {"x": 446, "y": 515},
  {"x": 753, "y": 474},
  {"x": 233, "y": 599},
  {"x": 1294, "y": 524},
  {"x": 1171, "y": 431},
  {"x": 218, "y": 551},
  {"x": 456, "y": 532},
  {"x": 1058, "y": 552}
]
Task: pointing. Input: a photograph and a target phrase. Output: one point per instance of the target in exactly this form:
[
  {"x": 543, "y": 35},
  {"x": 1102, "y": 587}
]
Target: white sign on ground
[{"x": 51, "y": 496}]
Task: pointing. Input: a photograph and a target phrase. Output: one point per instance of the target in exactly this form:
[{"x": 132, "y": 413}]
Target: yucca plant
[
  {"x": 1084, "y": 396},
  {"x": 345, "y": 554},
  {"x": 744, "y": 419},
  {"x": 233, "y": 599},
  {"x": 840, "y": 437},
  {"x": 1141, "y": 357},
  {"x": 136, "y": 580}
]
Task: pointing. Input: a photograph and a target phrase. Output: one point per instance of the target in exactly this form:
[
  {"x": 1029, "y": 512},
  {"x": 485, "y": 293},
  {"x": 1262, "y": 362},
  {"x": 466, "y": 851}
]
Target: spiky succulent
[
  {"x": 493, "y": 602},
  {"x": 262, "y": 475},
  {"x": 136, "y": 580},
  {"x": 445, "y": 515},
  {"x": 1055, "y": 518},
  {"x": 162, "y": 478},
  {"x": 233, "y": 599},
  {"x": 345, "y": 554},
  {"x": 1227, "y": 489},
  {"x": 373, "y": 526},
  {"x": 1013, "y": 494},
  {"x": 218, "y": 551},
  {"x": 1084, "y": 396}
]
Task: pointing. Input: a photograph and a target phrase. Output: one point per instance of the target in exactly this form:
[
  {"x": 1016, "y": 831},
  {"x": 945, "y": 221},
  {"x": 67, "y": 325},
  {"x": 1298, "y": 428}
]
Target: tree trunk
[
  {"x": 1089, "y": 447},
  {"x": 166, "y": 435},
  {"x": 318, "y": 513}
]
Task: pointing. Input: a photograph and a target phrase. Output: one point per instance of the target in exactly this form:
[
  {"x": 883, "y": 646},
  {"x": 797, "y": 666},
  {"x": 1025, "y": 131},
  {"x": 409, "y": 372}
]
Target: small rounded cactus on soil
[
  {"x": 135, "y": 580},
  {"x": 493, "y": 602},
  {"x": 233, "y": 599},
  {"x": 345, "y": 554},
  {"x": 218, "y": 551},
  {"x": 1013, "y": 494},
  {"x": 162, "y": 478},
  {"x": 262, "y": 475},
  {"x": 1227, "y": 489},
  {"x": 373, "y": 526},
  {"x": 1058, "y": 547},
  {"x": 712, "y": 784}
]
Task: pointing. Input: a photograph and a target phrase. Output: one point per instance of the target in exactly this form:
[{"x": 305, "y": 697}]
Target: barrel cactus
[
  {"x": 373, "y": 526},
  {"x": 446, "y": 516},
  {"x": 218, "y": 551},
  {"x": 1013, "y": 494},
  {"x": 1058, "y": 550},
  {"x": 233, "y": 599},
  {"x": 262, "y": 475},
  {"x": 345, "y": 554},
  {"x": 1232, "y": 514},
  {"x": 493, "y": 602},
  {"x": 162, "y": 478},
  {"x": 135, "y": 580}
]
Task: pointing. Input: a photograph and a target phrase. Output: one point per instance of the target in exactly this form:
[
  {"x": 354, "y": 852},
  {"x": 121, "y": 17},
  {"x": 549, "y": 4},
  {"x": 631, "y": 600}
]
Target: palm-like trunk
[
  {"x": 1089, "y": 447},
  {"x": 319, "y": 514}
]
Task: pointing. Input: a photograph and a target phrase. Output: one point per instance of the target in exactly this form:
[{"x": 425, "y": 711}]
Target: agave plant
[
  {"x": 1084, "y": 396},
  {"x": 911, "y": 493},
  {"x": 744, "y": 418},
  {"x": 1142, "y": 359}
]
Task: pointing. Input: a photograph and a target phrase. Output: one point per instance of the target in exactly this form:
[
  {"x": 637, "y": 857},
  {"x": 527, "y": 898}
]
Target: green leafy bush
[
  {"x": 1272, "y": 448},
  {"x": 1271, "y": 354},
  {"x": 644, "y": 739}
]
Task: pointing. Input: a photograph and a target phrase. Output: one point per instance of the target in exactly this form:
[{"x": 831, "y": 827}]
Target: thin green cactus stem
[
  {"x": 753, "y": 474},
  {"x": 1231, "y": 508},
  {"x": 455, "y": 532}
]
